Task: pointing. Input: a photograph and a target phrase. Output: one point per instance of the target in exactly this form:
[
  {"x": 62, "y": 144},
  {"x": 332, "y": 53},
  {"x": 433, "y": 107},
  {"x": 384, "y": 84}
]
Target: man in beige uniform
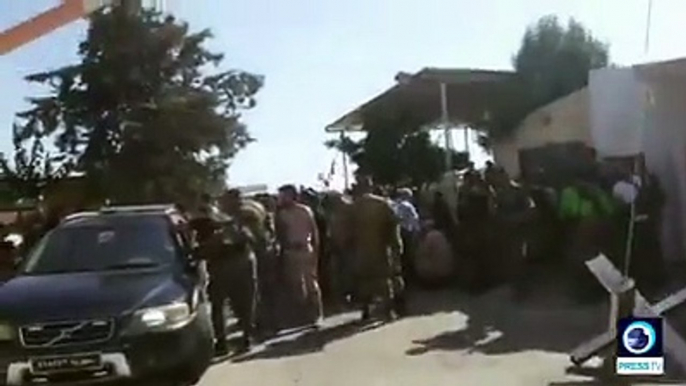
[
  {"x": 377, "y": 246},
  {"x": 298, "y": 240}
]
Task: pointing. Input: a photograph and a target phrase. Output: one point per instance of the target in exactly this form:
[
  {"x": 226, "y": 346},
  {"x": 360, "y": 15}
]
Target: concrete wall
[
  {"x": 626, "y": 121},
  {"x": 663, "y": 140},
  {"x": 564, "y": 120}
]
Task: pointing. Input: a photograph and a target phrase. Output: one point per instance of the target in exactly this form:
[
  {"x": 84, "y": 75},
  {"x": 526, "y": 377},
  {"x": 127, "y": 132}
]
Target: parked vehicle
[{"x": 107, "y": 295}]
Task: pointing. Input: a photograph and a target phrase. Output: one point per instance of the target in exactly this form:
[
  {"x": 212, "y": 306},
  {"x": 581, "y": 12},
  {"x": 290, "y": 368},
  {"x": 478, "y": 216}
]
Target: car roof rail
[
  {"x": 165, "y": 208},
  {"x": 78, "y": 216}
]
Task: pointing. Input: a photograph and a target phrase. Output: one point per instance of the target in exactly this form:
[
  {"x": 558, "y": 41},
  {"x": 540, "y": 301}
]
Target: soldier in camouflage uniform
[
  {"x": 253, "y": 216},
  {"x": 259, "y": 221},
  {"x": 227, "y": 246}
]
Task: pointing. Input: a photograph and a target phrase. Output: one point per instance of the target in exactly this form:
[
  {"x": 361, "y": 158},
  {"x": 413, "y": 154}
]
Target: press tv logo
[{"x": 639, "y": 349}]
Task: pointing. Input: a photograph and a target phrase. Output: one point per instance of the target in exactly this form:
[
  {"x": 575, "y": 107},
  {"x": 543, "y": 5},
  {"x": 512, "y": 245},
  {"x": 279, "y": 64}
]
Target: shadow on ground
[
  {"x": 600, "y": 378},
  {"x": 308, "y": 342},
  {"x": 547, "y": 320}
]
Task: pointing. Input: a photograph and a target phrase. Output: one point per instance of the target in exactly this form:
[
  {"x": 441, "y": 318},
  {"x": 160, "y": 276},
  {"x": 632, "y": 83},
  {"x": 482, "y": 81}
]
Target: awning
[{"x": 471, "y": 94}]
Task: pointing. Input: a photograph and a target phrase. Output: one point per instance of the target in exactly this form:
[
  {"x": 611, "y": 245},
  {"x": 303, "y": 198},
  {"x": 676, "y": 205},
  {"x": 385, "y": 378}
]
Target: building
[{"x": 547, "y": 137}]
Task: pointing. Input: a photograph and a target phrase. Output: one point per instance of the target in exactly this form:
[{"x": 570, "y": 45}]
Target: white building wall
[
  {"x": 626, "y": 121},
  {"x": 564, "y": 120}
]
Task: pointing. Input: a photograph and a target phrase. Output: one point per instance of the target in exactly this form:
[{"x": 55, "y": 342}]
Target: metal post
[
  {"x": 466, "y": 140},
  {"x": 446, "y": 127},
  {"x": 346, "y": 182}
]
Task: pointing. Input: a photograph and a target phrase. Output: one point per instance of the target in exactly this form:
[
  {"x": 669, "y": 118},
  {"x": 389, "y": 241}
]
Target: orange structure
[{"x": 52, "y": 19}]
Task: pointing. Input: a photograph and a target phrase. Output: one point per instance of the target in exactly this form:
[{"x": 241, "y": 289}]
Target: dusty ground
[{"x": 451, "y": 339}]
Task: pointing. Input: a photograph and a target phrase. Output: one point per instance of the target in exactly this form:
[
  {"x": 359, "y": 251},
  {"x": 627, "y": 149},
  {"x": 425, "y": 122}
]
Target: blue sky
[{"x": 323, "y": 58}]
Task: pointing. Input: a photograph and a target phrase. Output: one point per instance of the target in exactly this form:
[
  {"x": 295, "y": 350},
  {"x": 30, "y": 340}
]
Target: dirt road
[{"x": 451, "y": 339}]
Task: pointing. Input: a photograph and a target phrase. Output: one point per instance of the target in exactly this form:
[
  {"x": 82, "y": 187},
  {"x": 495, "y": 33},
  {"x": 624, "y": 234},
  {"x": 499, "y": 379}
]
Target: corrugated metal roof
[{"x": 469, "y": 93}]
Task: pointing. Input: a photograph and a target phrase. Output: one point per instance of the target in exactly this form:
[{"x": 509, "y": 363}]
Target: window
[{"x": 116, "y": 243}]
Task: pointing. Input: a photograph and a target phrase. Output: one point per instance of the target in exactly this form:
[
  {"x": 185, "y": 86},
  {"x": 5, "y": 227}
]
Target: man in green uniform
[
  {"x": 377, "y": 247},
  {"x": 226, "y": 245},
  {"x": 339, "y": 233},
  {"x": 253, "y": 216},
  {"x": 586, "y": 211}
]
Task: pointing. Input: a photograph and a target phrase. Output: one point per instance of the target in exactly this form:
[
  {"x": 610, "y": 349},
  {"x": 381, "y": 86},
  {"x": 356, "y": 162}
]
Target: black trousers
[
  {"x": 267, "y": 302},
  {"x": 235, "y": 281},
  {"x": 407, "y": 258}
]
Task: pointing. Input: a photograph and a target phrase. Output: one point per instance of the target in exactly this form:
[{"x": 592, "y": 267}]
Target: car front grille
[{"x": 66, "y": 333}]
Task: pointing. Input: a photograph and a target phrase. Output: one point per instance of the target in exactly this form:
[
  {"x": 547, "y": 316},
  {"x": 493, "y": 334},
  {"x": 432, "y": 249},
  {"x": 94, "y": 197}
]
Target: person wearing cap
[
  {"x": 248, "y": 221},
  {"x": 255, "y": 216},
  {"x": 226, "y": 244}
]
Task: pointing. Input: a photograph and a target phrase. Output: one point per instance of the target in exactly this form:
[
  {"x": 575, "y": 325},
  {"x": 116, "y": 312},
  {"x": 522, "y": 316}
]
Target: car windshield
[{"x": 119, "y": 243}]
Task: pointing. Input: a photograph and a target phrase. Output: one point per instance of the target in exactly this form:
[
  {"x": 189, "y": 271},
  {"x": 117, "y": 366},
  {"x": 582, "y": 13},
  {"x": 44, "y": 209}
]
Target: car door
[{"x": 195, "y": 267}]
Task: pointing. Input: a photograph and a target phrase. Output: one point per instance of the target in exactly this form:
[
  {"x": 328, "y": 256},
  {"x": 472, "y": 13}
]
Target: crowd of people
[
  {"x": 281, "y": 260},
  {"x": 272, "y": 258}
]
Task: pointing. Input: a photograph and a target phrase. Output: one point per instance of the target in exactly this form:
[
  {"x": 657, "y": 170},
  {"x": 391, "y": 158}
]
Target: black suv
[{"x": 107, "y": 295}]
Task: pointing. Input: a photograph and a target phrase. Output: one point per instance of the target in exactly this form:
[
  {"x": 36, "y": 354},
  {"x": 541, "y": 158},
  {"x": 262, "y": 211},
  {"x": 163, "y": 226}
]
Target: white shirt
[{"x": 406, "y": 212}]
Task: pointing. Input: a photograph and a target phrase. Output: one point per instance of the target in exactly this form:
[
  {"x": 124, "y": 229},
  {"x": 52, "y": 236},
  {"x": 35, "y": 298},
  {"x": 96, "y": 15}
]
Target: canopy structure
[{"x": 470, "y": 95}]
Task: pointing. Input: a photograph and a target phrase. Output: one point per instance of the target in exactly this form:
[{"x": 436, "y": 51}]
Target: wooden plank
[
  {"x": 592, "y": 347},
  {"x": 670, "y": 302},
  {"x": 601, "y": 342},
  {"x": 617, "y": 284},
  {"x": 613, "y": 280}
]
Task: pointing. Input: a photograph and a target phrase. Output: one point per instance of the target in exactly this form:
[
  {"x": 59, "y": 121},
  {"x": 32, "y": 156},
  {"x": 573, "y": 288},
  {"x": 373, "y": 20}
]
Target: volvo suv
[{"x": 108, "y": 295}]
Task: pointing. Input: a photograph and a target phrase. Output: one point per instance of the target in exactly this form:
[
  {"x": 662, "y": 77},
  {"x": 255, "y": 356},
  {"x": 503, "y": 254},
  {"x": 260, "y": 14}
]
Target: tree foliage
[
  {"x": 147, "y": 114},
  {"x": 31, "y": 170},
  {"x": 552, "y": 61},
  {"x": 395, "y": 151}
]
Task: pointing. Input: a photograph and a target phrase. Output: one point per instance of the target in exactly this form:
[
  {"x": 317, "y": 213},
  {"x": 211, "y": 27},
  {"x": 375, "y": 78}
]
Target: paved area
[{"x": 451, "y": 339}]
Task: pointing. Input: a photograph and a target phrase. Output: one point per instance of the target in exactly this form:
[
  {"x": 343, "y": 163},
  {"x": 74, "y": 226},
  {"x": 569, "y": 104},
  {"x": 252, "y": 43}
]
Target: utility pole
[
  {"x": 445, "y": 120},
  {"x": 346, "y": 181}
]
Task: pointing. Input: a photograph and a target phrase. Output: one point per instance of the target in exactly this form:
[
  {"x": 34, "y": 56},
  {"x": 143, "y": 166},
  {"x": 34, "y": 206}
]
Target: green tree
[
  {"x": 147, "y": 114},
  {"x": 31, "y": 170},
  {"x": 552, "y": 61},
  {"x": 395, "y": 151}
]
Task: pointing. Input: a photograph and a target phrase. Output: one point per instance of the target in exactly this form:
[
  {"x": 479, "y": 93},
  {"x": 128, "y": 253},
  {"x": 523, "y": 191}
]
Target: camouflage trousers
[{"x": 382, "y": 281}]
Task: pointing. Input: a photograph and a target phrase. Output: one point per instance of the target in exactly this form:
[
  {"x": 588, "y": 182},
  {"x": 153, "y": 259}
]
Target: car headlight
[
  {"x": 6, "y": 332},
  {"x": 163, "y": 318}
]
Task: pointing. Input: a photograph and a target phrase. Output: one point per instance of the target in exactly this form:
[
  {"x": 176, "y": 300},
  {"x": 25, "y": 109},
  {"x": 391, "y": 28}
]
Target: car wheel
[{"x": 192, "y": 374}]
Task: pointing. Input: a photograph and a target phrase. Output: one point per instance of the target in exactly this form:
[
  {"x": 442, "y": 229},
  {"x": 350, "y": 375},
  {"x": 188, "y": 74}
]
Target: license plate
[{"x": 71, "y": 363}]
